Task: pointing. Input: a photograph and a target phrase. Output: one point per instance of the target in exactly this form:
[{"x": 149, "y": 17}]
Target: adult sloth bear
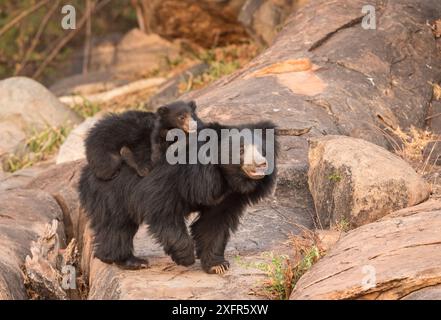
[{"x": 164, "y": 198}]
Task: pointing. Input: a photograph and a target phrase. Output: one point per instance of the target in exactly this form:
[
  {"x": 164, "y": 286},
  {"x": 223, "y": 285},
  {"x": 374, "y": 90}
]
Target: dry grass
[
  {"x": 416, "y": 146},
  {"x": 436, "y": 91},
  {"x": 39, "y": 147},
  {"x": 221, "y": 61}
]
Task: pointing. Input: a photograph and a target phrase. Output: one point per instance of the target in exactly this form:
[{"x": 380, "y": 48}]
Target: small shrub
[
  {"x": 335, "y": 177},
  {"x": 87, "y": 108}
]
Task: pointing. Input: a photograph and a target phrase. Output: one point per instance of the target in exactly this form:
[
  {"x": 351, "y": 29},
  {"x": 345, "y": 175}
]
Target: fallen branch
[{"x": 115, "y": 93}]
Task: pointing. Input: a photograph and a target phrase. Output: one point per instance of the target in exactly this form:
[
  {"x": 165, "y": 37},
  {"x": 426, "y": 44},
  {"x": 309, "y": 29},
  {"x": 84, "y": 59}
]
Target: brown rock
[
  {"x": 356, "y": 182},
  {"x": 141, "y": 54},
  {"x": 23, "y": 216},
  {"x": 387, "y": 259},
  {"x": 61, "y": 181},
  {"x": 430, "y": 293}
]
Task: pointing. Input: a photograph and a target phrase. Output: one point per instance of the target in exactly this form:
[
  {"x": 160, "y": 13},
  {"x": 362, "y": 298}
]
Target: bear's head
[
  {"x": 250, "y": 161},
  {"x": 179, "y": 115}
]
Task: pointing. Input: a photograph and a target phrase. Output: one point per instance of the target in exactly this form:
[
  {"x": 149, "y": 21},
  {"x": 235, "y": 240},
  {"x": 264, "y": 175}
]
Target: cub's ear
[
  {"x": 162, "y": 110},
  {"x": 192, "y": 105}
]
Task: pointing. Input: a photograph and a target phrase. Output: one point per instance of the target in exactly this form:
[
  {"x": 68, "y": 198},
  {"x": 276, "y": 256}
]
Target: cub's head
[{"x": 178, "y": 115}]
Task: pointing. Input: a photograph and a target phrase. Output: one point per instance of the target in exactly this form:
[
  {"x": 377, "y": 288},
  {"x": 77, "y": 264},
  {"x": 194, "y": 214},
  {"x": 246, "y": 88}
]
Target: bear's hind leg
[
  {"x": 171, "y": 232},
  {"x": 114, "y": 244},
  {"x": 106, "y": 166}
]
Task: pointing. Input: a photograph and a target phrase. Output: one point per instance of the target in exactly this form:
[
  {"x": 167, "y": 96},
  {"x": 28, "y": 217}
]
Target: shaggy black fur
[
  {"x": 137, "y": 138},
  {"x": 163, "y": 200},
  {"x": 130, "y": 130}
]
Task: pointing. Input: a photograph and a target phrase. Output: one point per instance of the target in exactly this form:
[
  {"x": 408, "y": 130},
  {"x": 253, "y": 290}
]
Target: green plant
[
  {"x": 343, "y": 225},
  {"x": 335, "y": 177},
  {"x": 282, "y": 276},
  {"x": 38, "y": 147},
  {"x": 310, "y": 256}
]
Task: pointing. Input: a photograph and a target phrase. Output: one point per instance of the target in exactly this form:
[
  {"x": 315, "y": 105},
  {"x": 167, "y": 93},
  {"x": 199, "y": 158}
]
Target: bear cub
[{"x": 137, "y": 138}]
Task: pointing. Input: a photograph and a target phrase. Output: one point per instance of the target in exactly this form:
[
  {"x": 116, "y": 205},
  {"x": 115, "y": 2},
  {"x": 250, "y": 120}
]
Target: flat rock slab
[
  {"x": 388, "y": 259},
  {"x": 23, "y": 215},
  {"x": 264, "y": 229}
]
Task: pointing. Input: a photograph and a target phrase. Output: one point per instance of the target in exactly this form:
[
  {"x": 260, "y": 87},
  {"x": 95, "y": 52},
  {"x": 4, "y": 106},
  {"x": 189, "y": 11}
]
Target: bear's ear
[
  {"x": 192, "y": 105},
  {"x": 162, "y": 110}
]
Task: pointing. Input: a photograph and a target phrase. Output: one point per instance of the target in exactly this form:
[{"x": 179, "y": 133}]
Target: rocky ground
[{"x": 339, "y": 106}]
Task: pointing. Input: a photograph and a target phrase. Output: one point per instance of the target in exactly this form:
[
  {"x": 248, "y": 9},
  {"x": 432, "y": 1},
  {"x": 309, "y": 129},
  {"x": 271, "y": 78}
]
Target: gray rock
[
  {"x": 73, "y": 147},
  {"x": 169, "y": 91},
  {"x": 27, "y": 106},
  {"x": 429, "y": 293}
]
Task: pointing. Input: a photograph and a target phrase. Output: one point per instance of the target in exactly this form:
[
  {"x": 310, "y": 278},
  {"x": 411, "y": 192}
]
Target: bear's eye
[{"x": 182, "y": 117}]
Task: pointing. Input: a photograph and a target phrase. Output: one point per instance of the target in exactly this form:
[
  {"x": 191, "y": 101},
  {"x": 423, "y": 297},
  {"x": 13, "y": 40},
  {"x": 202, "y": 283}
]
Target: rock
[
  {"x": 328, "y": 238},
  {"x": 23, "y": 215},
  {"x": 262, "y": 18},
  {"x": 430, "y": 293},
  {"x": 139, "y": 53},
  {"x": 21, "y": 177},
  {"x": 26, "y": 106},
  {"x": 90, "y": 83},
  {"x": 355, "y": 182},
  {"x": 169, "y": 91},
  {"x": 207, "y": 23},
  {"x": 73, "y": 147},
  {"x": 61, "y": 182},
  {"x": 387, "y": 259}
]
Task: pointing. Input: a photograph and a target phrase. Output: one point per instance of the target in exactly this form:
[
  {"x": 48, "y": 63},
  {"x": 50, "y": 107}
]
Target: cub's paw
[
  {"x": 143, "y": 172},
  {"x": 220, "y": 266},
  {"x": 133, "y": 263}
]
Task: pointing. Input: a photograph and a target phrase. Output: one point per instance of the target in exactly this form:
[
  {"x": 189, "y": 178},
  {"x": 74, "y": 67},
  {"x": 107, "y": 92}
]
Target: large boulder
[
  {"x": 354, "y": 181},
  {"x": 27, "y": 106},
  {"x": 23, "y": 216},
  {"x": 394, "y": 258},
  {"x": 73, "y": 147}
]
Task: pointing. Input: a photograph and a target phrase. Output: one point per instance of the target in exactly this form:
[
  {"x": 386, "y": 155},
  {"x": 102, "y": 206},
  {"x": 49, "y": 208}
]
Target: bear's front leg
[
  {"x": 133, "y": 263},
  {"x": 211, "y": 232}
]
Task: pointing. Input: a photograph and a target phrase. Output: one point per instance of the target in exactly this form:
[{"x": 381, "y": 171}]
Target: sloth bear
[
  {"x": 135, "y": 137},
  {"x": 169, "y": 193}
]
